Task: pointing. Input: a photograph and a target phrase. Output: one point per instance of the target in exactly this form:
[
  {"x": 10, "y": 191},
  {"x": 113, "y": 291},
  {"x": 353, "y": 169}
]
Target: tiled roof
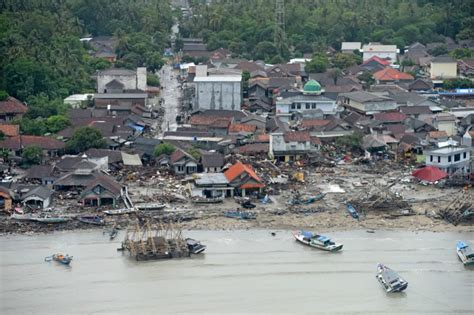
[
  {"x": 39, "y": 171},
  {"x": 107, "y": 182},
  {"x": 242, "y": 128},
  {"x": 249, "y": 66},
  {"x": 178, "y": 154},
  {"x": 298, "y": 136},
  {"x": 11, "y": 107},
  {"x": 238, "y": 168},
  {"x": 19, "y": 142},
  {"x": 213, "y": 159},
  {"x": 437, "y": 134},
  {"x": 390, "y": 74},
  {"x": 315, "y": 140},
  {"x": 314, "y": 122},
  {"x": 390, "y": 117},
  {"x": 415, "y": 110},
  {"x": 253, "y": 148},
  {"x": 379, "y": 60},
  {"x": 262, "y": 138},
  {"x": 201, "y": 120},
  {"x": 396, "y": 129},
  {"x": 10, "y": 130}
]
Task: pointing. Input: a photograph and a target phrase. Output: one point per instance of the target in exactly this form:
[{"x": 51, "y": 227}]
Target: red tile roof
[
  {"x": 11, "y": 107},
  {"x": 390, "y": 117},
  {"x": 314, "y": 123},
  {"x": 19, "y": 142},
  {"x": 10, "y": 130},
  {"x": 242, "y": 128},
  {"x": 383, "y": 62},
  {"x": 437, "y": 134},
  {"x": 429, "y": 174},
  {"x": 210, "y": 121},
  {"x": 298, "y": 136},
  {"x": 390, "y": 74},
  {"x": 253, "y": 148},
  {"x": 262, "y": 138},
  {"x": 315, "y": 140},
  {"x": 238, "y": 169}
]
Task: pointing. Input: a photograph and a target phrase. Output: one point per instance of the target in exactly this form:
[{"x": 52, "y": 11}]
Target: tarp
[
  {"x": 131, "y": 159},
  {"x": 429, "y": 174}
]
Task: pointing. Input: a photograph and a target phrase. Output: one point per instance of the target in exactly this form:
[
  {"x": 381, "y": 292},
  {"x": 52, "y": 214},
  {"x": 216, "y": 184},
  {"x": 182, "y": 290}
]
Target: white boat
[
  {"x": 317, "y": 241},
  {"x": 119, "y": 211},
  {"x": 149, "y": 206},
  {"x": 465, "y": 253},
  {"x": 390, "y": 280}
]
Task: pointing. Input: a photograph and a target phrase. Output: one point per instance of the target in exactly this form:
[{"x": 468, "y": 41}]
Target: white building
[
  {"x": 78, "y": 100},
  {"x": 218, "y": 92},
  {"x": 309, "y": 104},
  {"x": 450, "y": 159},
  {"x": 349, "y": 47},
  {"x": 443, "y": 67},
  {"x": 118, "y": 80},
  {"x": 382, "y": 51}
]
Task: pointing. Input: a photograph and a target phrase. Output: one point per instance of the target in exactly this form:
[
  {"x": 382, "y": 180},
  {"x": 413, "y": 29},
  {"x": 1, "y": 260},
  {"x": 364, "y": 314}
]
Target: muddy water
[{"x": 242, "y": 272}]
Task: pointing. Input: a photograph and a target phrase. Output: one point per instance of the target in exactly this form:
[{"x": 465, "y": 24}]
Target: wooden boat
[
  {"x": 195, "y": 247},
  {"x": 352, "y": 211},
  {"x": 317, "y": 241},
  {"x": 390, "y": 280},
  {"x": 465, "y": 253},
  {"x": 63, "y": 259},
  {"x": 23, "y": 217},
  {"x": 92, "y": 219},
  {"x": 119, "y": 211},
  {"x": 207, "y": 200},
  {"x": 52, "y": 219},
  {"x": 244, "y": 215},
  {"x": 149, "y": 206}
]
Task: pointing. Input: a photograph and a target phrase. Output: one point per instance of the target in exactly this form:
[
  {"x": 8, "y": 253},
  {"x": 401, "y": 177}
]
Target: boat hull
[
  {"x": 300, "y": 238},
  {"x": 390, "y": 283}
]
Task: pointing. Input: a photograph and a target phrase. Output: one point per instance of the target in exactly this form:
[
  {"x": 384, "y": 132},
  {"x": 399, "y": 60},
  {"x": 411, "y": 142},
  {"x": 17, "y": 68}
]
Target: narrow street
[{"x": 170, "y": 94}]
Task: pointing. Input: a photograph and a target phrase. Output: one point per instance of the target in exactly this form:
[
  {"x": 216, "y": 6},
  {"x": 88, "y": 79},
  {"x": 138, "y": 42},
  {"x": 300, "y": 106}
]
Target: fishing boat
[
  {"x": 207, "y": 200},
  {"x": 390, "y": 280},
  {"x": 317, "y": 241},
  {"x": 244, "y": 215},
  {"x": 52, "y": 219},
  {"x": 149, "y": 206},
  {"x": 23, "y": 217},
  {"x": 120, "y": 211},
  {"x": 465, "y": 253},
  {"x": 92, "y": 219},
  {"x": 195, "y": 247},
  {"x": 63, "y": 259},
  {"x": 352, "y": 211}
]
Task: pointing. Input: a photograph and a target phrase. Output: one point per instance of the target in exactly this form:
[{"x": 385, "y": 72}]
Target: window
[
  {"x": 449, "y": 159},
  {"x": 464, "y": 155},
  {"x": 431, "y": 158},
  {"x": 298, "y": 106},
  {"x": 307, "y": 105},
  {"x": 314, "y": 106},
  {"x": 439, "y": 159},
  {"x": 457, "y": 157},
  {"x": 293, "y": 106}
]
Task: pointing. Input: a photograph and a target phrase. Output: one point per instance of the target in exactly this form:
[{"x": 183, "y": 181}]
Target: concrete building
[
  {"x": 78, "y": 100},
  {"x": 309, "y": 104},
  {"x": 366, "y": 103},
  {"x": 382, "y": 51},
  {"x": 291, "y": 145},
  {"x": 218, "y": 92},
  {"x": 214, "y": 185},
  {"x": 445, "y": 122},
  {"x": 450, "y": 159},
  {"x": 120, "y": 80},
  {"x": 443, "y": 67},
  {"x": 349, "y": 47}
]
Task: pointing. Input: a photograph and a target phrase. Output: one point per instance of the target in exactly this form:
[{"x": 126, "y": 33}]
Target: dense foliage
[
  {"x": 40, "y": 50},
  {"x": 248, "y": 28},
  {"x": 31, "y": 156},
  {"x": 164, "y": 148},
  {"x": 85, "y": 138}
]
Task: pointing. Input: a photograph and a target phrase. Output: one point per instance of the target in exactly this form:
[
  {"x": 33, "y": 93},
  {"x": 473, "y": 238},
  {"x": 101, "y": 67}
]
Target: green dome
[{"x": 312, "y": 87}]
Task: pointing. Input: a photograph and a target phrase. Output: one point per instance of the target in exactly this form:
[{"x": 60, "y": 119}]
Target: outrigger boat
[
  {"x": 120, "y": 211},
  {"x": 92, "y": 219},
  {"x": 352, "y": 211},
  {"x": 244, "y": 215},
  {"x": 317, "y": 241},
  {"x": 465, "y": 253},
  {"x": 390, "y": 280},
  {"x": 195, "y": 247},
  {"x": 52, "y": 220},
  {"x": 63, "y": 259}
]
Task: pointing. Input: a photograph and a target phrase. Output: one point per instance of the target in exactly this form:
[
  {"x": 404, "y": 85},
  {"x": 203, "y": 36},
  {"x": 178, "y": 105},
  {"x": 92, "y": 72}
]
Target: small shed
[{"x": 39, "y": 197}]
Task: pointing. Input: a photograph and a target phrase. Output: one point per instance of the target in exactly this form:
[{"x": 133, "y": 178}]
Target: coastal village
[{"x": 227, "y": 143}]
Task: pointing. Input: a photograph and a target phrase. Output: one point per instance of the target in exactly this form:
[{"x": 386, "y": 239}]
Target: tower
[{"x": 279, "y": 20}]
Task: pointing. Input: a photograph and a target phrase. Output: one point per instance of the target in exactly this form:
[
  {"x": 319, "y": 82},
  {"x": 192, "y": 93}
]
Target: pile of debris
[
  {"x": 379, "y": 198},
  {"x": 461, "y": 209}
]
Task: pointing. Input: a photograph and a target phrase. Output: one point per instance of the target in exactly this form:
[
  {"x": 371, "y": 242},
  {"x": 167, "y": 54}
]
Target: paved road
[{"x": 171, "y": 93}]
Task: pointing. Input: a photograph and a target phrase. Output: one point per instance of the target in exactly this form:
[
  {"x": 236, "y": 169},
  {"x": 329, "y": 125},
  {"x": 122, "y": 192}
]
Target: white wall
[
  {"x": 218, "y": 95},
  {"x": 141, "y": 78}
]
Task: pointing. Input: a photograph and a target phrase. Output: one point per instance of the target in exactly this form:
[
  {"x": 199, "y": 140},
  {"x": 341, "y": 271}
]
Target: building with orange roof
[
  {"x": 392, "y": 75},
  {"x": 242, "y": 129},
  {"x": 244, "y": 179},
  {"x": 10, "y": 130}
]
